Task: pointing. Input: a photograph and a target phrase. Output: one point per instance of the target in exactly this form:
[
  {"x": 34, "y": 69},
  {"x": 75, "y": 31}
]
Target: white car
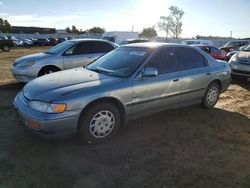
[{"x": 198, "y": 42}]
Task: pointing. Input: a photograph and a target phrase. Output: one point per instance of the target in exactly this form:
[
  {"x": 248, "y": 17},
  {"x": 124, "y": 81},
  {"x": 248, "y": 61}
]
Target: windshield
[
  {"x": 121, "y": 62},
  {"x": 59, "y": 48},
  {"x": 234, "y": 43},
  {"x": 247, "y": 49}
]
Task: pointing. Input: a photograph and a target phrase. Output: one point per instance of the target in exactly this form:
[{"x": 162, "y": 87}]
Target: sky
[{"x": 201, "y": 17}]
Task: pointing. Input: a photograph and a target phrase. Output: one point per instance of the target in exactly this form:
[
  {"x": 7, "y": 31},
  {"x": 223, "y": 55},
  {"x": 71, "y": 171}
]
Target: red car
[
  {"x": 234, "y": 45},
  {"x": 216, "y": 53}
]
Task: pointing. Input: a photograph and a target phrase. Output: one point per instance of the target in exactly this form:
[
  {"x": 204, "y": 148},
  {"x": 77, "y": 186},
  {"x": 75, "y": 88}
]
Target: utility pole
[
  {"x": 231, "y": 34},
  {"x": 132, "y": 29}
]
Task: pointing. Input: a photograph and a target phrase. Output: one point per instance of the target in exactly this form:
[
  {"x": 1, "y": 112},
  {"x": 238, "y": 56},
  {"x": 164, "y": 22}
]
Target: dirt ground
[{"x": 189, "y": 147}]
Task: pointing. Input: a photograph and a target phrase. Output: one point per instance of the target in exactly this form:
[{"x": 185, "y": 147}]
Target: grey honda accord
[{"x": 128, "y": 82}]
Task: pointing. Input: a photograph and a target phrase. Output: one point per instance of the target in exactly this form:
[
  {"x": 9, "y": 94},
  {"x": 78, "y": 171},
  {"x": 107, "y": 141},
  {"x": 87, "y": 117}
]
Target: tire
[
  {"x": 47, "y": 70},
  {"x": 99, "y": 123},
  {"x": 6, "y": 48},
  {"x": 211, "y": 96}
]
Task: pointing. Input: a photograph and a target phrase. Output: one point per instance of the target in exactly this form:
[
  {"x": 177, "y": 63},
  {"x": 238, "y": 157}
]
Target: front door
[{"x": 162, "y": 91}]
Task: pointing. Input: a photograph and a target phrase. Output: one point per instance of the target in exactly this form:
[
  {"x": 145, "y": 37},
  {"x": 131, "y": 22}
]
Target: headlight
[
  {"x": 233, "y": 58},
  {"x": 26, "y": 64},
  {"x": 47, "y": 107}
]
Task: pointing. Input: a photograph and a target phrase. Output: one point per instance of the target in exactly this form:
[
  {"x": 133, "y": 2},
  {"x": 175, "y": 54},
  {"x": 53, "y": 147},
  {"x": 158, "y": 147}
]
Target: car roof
[
  {"x": 89, "y": 39},
  {"x": 153, "y": 45}
]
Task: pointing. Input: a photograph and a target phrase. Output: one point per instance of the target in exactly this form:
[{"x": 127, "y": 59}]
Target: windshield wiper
[{"x": 103, "y": 71}]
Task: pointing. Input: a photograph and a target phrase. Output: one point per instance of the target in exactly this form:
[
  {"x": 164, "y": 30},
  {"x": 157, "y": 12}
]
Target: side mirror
[
  {"x": 149, "y": 72},
  {"x": 69, "y": 52}
]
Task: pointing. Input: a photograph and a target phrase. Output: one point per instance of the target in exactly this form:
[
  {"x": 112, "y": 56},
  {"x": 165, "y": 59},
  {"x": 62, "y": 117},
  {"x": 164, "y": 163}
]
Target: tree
[
  {"x": 172, "y": 24},
  {"x": 96, "y": 30},
  {"x": 149, "y": 32},
  {"x": 73, "y": 29},
  {"x": 67, "y": 29},
  {"x": 4, "y": 26},
  {"x": 1, "y": 25}
]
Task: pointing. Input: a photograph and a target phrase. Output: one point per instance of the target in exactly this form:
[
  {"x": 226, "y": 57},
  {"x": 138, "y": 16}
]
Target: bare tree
[{"x": 172, "y": 24}]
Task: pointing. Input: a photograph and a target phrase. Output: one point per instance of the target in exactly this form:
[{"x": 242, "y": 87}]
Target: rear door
[
  {"x": 160, "y": 92},
  {"x": 196, "y": 74}
]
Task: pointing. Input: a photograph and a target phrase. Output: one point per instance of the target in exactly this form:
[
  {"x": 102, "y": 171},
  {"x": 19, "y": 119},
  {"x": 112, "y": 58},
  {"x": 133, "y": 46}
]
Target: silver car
[
  {"x": 240, "y": 63},
  {"x": 128, "y": 82},
  {"x": 66, "y": 55}
]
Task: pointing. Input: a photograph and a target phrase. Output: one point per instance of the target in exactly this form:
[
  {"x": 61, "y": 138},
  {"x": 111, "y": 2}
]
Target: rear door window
[
  {"x": 165, "y": 60},
  {"x": 83, "y": 48},
  {"x": 101, "y": 47},
  {"x": 191, "y": 59}
]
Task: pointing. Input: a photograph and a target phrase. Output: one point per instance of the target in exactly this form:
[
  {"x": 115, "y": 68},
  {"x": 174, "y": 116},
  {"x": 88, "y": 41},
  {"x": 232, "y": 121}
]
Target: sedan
[
  {"x": 234, "y": 45},
  {"x": 66, "y": 55},
  {"x": 129, "y": 82},
  {"x": 240, "y": 63}
]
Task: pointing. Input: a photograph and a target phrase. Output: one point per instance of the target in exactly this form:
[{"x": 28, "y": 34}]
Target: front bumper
[
  {"x": 240, "y": 69},
  {"x": 24, "y": 74},
  {"x": 44, "y": 124}
]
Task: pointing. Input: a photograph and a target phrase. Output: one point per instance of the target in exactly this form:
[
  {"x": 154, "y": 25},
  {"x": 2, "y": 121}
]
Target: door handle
[{"x": 175, "y": 80}]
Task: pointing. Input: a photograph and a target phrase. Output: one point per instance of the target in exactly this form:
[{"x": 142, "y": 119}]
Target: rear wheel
[
  {"x": 48, "y": 70},
  {"x": 99, "y": 123},
  {"x": 211, "y": 95},
  {"x": 6, "y": 48}
]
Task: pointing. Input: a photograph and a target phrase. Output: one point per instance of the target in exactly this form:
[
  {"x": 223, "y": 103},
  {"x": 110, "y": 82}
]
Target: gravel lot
[{"x": 189, "y": 147}]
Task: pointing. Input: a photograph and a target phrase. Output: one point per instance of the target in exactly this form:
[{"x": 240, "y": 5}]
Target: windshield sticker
[{"x": 138, "y": 53}]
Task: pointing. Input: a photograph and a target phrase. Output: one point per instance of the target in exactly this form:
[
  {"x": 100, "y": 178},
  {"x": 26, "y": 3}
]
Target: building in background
[{"x": 32, "y": 30}]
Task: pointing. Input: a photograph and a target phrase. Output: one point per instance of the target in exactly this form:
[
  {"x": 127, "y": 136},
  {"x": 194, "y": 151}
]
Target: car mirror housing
[{"x": 149, "y": 72}]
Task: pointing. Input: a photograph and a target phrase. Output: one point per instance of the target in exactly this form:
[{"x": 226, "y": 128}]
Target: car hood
[
  {"x": 53, "y": 86},
  {"x": 243, "y": 55},
  {"x": 32, "y": 57}
]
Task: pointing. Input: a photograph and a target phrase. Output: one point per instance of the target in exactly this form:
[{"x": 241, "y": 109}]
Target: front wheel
[
  {"x": 211, "y": 96},
  {"x": 6, "y": 48},
  {"x": 99, "y": 123},
  {"x": 47, "y": 70}
]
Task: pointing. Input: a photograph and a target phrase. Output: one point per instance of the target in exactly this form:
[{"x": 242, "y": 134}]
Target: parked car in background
[
  {"x": 130, "y": 41},
  {"x": 199, "y": 42},
  {"x": 119, "y": 36},
  {"x": 6, "y": 44},
  {"x": 240, "y": 63},
  {"x": 52, "y": 42},
  {"x": 27, "y": 42},
  {"x": 59, "y": 40},
  {"x": 66, "y": 55},
  {"x": 230, "y": 54},
  {"x": 129, "y": 82},
  {"x": 40, "y": 42},
  {"x": 18, "y": 42},
  {"x": 216, "y": 53},
  {"x": 234, "y": 45}
]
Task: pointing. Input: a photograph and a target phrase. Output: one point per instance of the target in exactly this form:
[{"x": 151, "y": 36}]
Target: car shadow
[
  {"x": 158, "y": 146},
  {"x": 12, "y": 86},
  {"x": 241, "y": 82}
]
